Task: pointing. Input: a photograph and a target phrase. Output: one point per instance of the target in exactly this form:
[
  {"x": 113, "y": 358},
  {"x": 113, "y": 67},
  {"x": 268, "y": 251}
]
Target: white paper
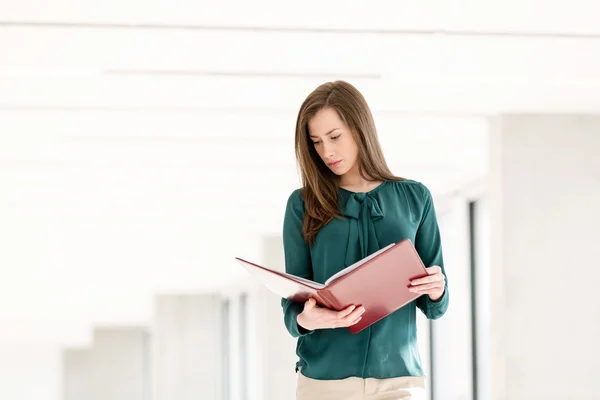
[{"x": 313, "y": 284}]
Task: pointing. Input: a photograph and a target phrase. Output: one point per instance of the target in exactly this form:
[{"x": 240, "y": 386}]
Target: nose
[{"x": 328, "y": 151}]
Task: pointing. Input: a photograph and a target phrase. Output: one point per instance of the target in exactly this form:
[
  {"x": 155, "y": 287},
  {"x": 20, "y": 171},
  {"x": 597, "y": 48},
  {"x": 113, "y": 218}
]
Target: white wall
[
  {"x": 119, "y": 360},
  {"x": 545, "y": 197},
  {"x": 30, "y": 371},
  {"x": 77, "y": 374},
  {"x": 186, "y": 342}
]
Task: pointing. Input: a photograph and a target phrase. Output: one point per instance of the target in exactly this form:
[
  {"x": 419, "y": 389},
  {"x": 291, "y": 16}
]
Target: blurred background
[{"x": 145, "y": 144}]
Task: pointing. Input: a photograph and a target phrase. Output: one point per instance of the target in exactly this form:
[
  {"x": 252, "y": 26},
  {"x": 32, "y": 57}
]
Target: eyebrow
[{"x": 328, "y": 133}]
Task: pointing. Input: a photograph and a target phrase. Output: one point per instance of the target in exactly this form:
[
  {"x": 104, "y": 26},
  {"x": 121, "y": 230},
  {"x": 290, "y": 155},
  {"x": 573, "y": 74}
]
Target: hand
[
  {"x": 433, "y": 284},
  {"x": 315, "y": 317}
]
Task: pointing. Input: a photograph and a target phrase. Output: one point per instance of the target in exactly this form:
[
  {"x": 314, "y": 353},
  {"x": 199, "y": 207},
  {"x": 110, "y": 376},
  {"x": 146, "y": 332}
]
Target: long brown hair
[{"x": 320, "y": 184}]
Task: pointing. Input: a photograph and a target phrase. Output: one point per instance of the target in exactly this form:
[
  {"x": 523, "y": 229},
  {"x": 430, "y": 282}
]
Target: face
[{"x": 333, "y": 141}]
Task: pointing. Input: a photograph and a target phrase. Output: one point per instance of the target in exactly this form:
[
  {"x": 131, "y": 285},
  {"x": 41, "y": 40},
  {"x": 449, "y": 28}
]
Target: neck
[{"x": 353, "y": 179}]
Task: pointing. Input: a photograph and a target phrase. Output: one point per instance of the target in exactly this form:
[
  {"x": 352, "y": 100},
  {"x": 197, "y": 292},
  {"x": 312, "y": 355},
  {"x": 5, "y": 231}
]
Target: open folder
[{"x": 378, "y": 282}]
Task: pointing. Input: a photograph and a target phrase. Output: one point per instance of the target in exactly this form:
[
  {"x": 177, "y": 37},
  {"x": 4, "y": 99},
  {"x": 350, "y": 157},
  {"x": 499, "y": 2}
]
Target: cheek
[{"x": 351, "y": 149}]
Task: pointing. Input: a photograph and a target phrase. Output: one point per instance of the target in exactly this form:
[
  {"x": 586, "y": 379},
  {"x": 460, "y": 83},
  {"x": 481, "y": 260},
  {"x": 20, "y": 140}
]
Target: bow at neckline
[{"x": 362, "y": 209}]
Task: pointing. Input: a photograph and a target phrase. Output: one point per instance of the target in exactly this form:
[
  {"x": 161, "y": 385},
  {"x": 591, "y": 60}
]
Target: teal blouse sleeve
[
  {"x": 297, "y": 258},
  {"x": 428, "y": 245}
]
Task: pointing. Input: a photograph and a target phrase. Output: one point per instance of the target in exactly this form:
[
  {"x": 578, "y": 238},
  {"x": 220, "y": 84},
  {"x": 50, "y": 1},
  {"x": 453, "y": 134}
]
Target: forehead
[{"x": 324, "y": 121}]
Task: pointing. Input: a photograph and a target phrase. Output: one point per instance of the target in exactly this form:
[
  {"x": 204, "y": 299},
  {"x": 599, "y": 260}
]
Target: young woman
[{"x": 350, "y": 206}]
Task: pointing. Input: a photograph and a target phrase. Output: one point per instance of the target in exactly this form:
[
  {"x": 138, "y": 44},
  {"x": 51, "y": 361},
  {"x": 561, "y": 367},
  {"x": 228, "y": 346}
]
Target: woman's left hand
[{"x": 433, "y": 285}]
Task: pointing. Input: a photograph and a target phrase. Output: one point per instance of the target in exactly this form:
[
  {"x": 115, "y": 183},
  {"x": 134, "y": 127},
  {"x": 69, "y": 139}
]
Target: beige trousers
[{"x": 409, "y": 387}]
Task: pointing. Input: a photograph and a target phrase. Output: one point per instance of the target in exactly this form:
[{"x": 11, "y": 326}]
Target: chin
[{"x": 338, "y": 173}]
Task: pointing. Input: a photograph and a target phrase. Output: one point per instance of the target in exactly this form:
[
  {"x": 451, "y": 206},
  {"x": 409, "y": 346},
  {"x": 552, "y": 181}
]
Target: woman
[{"x": 350, "y": 206}]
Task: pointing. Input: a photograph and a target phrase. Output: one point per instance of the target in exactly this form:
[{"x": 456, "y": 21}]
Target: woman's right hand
[{"x": 315, "y": 317}]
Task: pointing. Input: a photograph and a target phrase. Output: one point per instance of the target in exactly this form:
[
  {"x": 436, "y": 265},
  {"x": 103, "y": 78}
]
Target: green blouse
[{"x": 393, "y": 211}]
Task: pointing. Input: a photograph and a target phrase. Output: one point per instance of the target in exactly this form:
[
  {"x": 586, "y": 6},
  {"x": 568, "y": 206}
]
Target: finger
[
  {"x": 310, "y": 303},
  {"x": 346, "y": 311},
  {"x": 353, "y": 315},
  {"x": 340, "y": 323},
  {"x": 427, "y": 279},
  {"x": 426, "y": 287},
  {"x": 434, "y": 269},
  {"x": 430, "y": 285}
]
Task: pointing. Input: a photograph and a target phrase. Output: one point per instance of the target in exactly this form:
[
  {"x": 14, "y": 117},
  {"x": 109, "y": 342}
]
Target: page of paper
[
  {"x": 282, "y": 284},
  {"x": 356, "y": 265},
  {"x": 308, "y": 282}
]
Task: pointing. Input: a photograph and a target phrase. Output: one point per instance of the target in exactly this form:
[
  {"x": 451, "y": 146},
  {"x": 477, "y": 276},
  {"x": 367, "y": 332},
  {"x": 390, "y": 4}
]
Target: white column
[
  {"x": 120, "y": 364},
  {"x": 187, "y": 347},
  {"x": 452, "y": 376},
  {"x": 545, "y": 218},
  {"x": 261, "y": 353},
  {"x": 236, "y": 371},
  {"x": 482, "y": 299},
  {"x": 76, "y": 374},
  {"x": 278, "y": 346}
]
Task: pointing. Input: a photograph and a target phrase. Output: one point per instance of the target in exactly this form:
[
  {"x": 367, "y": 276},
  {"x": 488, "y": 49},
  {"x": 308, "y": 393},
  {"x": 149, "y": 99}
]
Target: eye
[
  {"x": 316, "y": 143},
  {"x": 336, "y": 137}
]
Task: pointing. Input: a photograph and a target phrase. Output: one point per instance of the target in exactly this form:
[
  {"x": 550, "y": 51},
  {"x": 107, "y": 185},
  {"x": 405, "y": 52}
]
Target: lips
[{"x": 334, "y": 164}]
